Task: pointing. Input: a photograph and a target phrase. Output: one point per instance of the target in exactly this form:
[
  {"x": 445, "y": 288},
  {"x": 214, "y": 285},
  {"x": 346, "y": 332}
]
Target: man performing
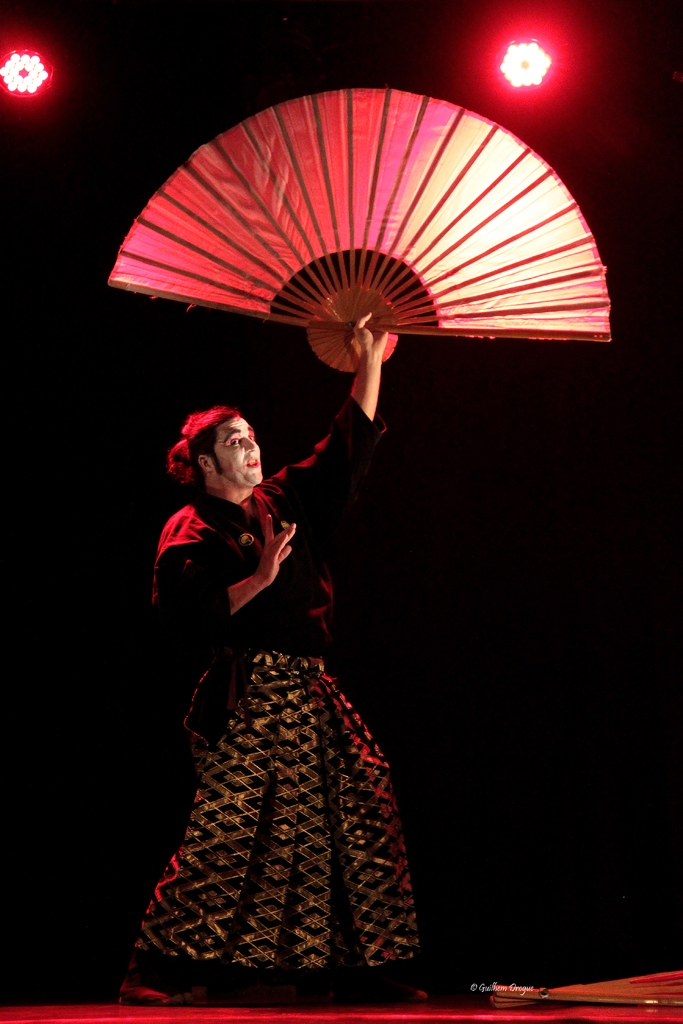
[{"x": 293, "y": 864}]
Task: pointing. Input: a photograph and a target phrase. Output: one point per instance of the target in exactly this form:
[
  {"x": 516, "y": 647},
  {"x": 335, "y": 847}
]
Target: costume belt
[{"x": 224, "y": 686}]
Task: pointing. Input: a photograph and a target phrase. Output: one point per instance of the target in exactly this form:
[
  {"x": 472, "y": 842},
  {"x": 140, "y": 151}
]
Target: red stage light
[
  {"x": 24, "y": 73},
  {"x": 525, "y": 64}
]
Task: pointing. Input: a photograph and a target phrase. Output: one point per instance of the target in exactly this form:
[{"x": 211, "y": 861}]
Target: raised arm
[{"x": 365, "y": 389}]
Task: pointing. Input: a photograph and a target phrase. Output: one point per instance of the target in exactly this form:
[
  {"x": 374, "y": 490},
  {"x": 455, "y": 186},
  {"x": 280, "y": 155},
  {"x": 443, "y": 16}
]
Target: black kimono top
[{"x": 212, "y": 543}]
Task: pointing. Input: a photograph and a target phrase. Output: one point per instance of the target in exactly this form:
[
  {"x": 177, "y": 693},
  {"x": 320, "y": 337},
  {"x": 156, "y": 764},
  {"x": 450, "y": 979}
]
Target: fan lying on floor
[
  {"x": 325, "y": 208},
  {"x": 649, "y": 989}
]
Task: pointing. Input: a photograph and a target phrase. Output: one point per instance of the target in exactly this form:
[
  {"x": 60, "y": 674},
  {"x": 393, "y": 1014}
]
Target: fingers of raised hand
[
  {"x": 283, "y": 538},
  {"x": 268, "y": 533},
  {"x": 283, "y": 554},
  {"x": 361, "y": 332}
]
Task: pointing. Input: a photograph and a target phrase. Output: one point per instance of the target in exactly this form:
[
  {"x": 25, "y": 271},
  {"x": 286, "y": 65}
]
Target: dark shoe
[
  {"x": 140, "y": 995},
  {"x": 145, "y": 985}
]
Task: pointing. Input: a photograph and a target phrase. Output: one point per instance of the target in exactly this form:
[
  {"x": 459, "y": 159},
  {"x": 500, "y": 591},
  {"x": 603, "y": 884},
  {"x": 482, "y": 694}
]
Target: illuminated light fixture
[
  {"x": 24, "y": 73},
  {"x": 525, "y": 64}
]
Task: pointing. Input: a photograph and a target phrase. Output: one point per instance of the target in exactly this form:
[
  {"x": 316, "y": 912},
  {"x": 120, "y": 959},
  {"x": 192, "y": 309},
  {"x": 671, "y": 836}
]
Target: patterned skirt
[{"x": 294, "y": 854}]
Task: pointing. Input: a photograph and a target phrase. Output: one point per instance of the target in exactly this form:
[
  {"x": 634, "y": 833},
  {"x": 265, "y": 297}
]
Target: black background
[{"x": 508, "y": 588}]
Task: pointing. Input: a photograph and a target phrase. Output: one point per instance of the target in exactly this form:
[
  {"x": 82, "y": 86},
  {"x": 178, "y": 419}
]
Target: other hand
[{"x": 275, "y": 550}]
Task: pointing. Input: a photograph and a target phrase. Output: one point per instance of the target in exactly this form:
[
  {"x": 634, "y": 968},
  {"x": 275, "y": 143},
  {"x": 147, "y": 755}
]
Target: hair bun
[{"x": 178, "y": 462}]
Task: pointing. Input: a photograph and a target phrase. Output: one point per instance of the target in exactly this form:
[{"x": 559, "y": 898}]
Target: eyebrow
[{"x": 236, "y": 430}]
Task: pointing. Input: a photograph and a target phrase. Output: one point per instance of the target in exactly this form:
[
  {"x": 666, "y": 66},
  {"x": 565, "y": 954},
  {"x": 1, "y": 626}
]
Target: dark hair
[{"x": 199, "y": 438}]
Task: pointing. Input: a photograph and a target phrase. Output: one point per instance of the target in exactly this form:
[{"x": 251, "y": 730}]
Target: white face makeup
[{"x": 237, "y": 454}]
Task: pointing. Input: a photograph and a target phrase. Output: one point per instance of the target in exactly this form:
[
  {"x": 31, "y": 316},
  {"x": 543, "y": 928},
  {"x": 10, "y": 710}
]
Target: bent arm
[
  {"x": 275, "y": 550},
  {"x": 243, "y": 592}
]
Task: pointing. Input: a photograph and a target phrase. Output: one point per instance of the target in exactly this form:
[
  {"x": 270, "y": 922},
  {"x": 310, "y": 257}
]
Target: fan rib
[
  {"x": 235, "y": 213},
  {"x": 281, "y": 194},
  {"x": 373, "y": 186},
  {"x": 194, "y": 276},
  {"x": 305, "y": 317},
  {"x": 306, "y": 198},
  {"x": 408, "y": 326},
  {"x": 328, "y": 183},
  {"x": 415, "y": 304},
  {"x": 520, "y": 263},
  {"x": 541, "y": 282},
  {"x": 449, "y": 191},
  {"x": 445, "y": 197},
  {"x": 427, "y": 178},
  {"x": 401, "y": 310},
  {"x": 494, "y": 333},
  {"x": 499, "y": 270},
  {"x": 220, "y": 234},
  {"x": 476, "y": 201},
  {"x": 422, "y": 313},
  {"x": 158, "y": 293},
  {"x": 523, "y": 311},
  {"x": 294, "y": 283},
  {"x": 349, "y": 140},
  {"x": 309, "y": 206},
  {"x": 296, "y": 298},
  {"x": 597, "y": 267},
  {"x": 395, "y": 296},
  {"x": 264, "y": 209},
  {"x": 291, "y": 293},
  {"x": 297, "y": 172},
  {"x": 538, "y": 333},
  {"x": 487, "y": 220},
  {"x": 529, "y": 286},
  {"x": 300, "y": 286},
  {"x": 394, "y": 191},
  {"x": 508, "y": 241},
  {"x": 393, "y": 268},
  {"x": 380, "y": 282},
  {"x": 259, "y": 202},
  {"x": 204, "y": 252},
  {"x": 291, "y": 320}
]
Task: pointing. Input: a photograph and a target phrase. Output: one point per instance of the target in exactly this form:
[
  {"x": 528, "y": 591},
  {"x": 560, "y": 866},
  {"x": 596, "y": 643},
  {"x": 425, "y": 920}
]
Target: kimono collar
[{"x": 209, "y": 507}]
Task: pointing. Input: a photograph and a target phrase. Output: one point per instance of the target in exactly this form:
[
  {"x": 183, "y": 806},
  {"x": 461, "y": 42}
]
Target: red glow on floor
[{"x": 439, "y": 1010}]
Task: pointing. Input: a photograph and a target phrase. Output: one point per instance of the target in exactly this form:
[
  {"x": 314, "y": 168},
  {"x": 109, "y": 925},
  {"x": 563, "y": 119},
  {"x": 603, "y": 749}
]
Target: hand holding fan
[{"x": 320, "y": 210}]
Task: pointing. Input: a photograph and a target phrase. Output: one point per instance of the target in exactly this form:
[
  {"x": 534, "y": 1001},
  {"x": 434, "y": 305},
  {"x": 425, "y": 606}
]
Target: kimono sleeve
[
  {"x": 326, "y": 484},
  {"x": 191, "y": 583}
]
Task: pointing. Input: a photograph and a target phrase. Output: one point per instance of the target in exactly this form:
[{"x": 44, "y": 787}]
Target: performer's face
[{"x": 237, "y": 454}]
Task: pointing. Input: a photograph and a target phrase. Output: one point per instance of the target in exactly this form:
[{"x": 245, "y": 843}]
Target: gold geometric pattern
[{"x": 294, "y": 854}]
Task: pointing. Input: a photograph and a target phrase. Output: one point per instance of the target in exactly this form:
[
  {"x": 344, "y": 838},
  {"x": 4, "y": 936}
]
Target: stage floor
[{"x": 439, "y": 1009}]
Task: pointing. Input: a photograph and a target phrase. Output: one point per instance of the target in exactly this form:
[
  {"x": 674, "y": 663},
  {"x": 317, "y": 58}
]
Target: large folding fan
[{"x": 319, "y": 210}]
